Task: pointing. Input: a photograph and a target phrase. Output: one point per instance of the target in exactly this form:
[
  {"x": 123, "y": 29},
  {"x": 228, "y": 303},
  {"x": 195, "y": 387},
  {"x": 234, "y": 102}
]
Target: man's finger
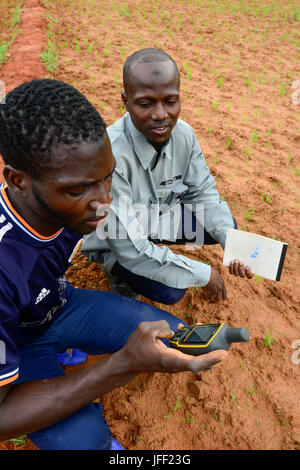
[
  {"x": 249, "y": 273},
  {"x": 241, "y": 270},
  {"x": 224, "y": 293},
  {"x": 213, "y": 297},
  {"x": 236, "y": 267},
  {"x": 159, "y": 328},
  {"x": 220, "y": 295},
  {"x": 207, "y": 361}
]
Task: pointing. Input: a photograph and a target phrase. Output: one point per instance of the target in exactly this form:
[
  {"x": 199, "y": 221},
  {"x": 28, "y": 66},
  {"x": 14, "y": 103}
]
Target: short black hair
[
  {"x": 42, "y": 113},
  {"x": 146, "y": 56}
]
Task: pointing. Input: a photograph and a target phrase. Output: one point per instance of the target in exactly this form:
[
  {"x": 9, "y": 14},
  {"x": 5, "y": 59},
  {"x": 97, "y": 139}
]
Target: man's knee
[
  {"x": 169, "y": 295},
  {"x": 84, "y": 430}
]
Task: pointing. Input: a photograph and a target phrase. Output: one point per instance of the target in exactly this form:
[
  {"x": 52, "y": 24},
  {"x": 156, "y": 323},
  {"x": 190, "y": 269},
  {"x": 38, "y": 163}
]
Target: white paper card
[{"x": 265, "y": 256}]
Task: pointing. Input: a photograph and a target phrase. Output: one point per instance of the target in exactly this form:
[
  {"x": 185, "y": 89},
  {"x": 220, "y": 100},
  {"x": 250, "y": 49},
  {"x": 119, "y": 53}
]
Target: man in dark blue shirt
[{"x": 57, "y": 178}]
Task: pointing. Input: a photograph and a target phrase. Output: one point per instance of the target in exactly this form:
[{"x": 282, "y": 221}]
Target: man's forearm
[
  {"x": 34, "y": 405},
  {"x": 38, "y": 404}
]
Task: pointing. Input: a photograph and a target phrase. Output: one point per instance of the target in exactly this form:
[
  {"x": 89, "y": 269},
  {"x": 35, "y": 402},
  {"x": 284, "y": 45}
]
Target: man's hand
[
  {"x": 145, "y": 352},
  {"x": 237, "y": 268},
  {"x": 34, "y": 405},
  {"x": 215, "y": 290}
]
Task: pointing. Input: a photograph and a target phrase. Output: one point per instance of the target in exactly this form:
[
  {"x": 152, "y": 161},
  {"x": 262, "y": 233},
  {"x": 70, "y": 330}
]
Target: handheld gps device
[{"x": 201, "y": 339}]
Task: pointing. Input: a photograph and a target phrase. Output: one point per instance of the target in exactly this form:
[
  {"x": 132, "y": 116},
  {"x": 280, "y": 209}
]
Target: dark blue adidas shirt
[{"x": 32, "y": 283}]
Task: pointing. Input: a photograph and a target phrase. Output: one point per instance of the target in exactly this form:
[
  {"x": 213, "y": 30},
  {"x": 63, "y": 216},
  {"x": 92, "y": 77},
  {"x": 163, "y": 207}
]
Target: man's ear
[
  {"x": 16, "y": 180},
  {"x": 124, "y": 99}
]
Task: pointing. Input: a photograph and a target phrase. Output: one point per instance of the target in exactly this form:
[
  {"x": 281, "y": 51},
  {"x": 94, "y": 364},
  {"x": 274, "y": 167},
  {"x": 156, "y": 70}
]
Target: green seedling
[
  {"x": 249, "y": 213},
  {"x": 77, "y": 44},
  {"x": 18, "y": 442},
  {"x": 49, "y": 57},
  {"x": 217, "y": 415},
  {"x": 220, "y": 82},
  {"x": 254, "y": 137},
  {"x": 269, "y": 339},
  {"x": 189, "y": 420},
  {"x": 261, "y": 80},
  {"x": 247, "y": 152},
  {"x": 16, "y": 17},
  {"x": 265, "y": 197},
  {"x": 198, "y": 111},
  {"x": 282, "y": 421},
  {"x": 214, "y": 105},
  {"x": 50, "y": 18},
  {"x": 229, "y": 143},
  {"x": 124, "y": 10},
  {"x": 282, "y": 89},
  {"x": 288, "y": 161},
  {"x": 184, "y": 66},
  {"x": 189, "y": 74},
  {"x": 3, "y": 51},
  {"x": 177, "y": 406},
  {"x": 102, "y": 105},
  {"x": 123, "y": 53},
  {"x": 251, "y": 391}
]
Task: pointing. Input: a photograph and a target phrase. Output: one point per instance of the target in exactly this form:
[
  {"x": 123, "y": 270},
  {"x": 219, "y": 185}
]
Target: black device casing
[{"x": 201, "y": 339}]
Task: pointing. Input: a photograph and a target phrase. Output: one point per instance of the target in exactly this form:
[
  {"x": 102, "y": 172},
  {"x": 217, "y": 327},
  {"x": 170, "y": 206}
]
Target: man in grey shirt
[{"x": 163, "y": 193}]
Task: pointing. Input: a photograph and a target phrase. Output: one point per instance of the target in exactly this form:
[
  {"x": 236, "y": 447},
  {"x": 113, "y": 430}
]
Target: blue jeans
[
  {"x": 155, "y": 290},
  {"x": 96, "y": 322}
]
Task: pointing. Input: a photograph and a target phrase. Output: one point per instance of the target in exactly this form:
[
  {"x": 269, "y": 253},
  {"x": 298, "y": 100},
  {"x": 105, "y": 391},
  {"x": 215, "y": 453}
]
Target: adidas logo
[{"x": 42, "y": 295}]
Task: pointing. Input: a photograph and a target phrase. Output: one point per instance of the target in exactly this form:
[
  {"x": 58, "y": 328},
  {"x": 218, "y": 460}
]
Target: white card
[{"x": 265, "y": 256}]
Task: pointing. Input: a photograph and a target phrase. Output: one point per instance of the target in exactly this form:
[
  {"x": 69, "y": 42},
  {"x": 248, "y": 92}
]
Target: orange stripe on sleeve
[{"x": 10, "y": 379}]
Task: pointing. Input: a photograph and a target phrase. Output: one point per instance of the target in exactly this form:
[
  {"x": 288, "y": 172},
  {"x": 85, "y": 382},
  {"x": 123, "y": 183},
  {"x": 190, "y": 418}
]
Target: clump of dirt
[{"x": 238, "y": 67}]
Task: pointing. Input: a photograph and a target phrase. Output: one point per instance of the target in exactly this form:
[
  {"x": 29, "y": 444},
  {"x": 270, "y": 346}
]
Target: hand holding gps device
[{"x": 204, "y": 338}]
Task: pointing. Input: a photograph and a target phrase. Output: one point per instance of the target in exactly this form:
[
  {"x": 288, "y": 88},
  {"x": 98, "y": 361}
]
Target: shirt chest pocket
[
  {"x": 163, "y": 193},
  {"x": 172, "y": 194}
]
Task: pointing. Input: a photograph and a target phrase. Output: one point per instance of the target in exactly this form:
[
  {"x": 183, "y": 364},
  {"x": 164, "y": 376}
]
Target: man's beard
[
  {"x": 159, "y": 145},
  {"x": 43, "y": 205}
]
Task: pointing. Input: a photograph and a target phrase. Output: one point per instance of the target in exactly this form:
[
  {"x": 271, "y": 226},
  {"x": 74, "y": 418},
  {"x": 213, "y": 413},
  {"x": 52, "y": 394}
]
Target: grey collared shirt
[{"x": 146, "y": 205}]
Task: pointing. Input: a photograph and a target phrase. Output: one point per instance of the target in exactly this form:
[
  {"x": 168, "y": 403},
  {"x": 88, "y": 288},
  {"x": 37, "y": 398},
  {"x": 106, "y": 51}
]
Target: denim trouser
[{"x": 95, "y": 322}]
